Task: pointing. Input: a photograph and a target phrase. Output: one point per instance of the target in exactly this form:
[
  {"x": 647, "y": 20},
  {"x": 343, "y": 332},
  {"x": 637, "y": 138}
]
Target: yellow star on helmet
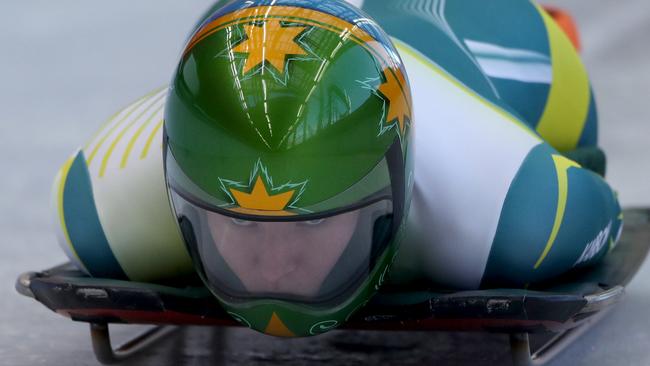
[
  {"x": 260, "y": 201},
  {"x": 398, "y": 98},
  {"x": 270, "y": 42}
]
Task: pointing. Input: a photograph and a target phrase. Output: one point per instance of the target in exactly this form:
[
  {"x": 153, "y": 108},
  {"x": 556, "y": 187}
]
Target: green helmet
[{"x": 287, "y": 160}]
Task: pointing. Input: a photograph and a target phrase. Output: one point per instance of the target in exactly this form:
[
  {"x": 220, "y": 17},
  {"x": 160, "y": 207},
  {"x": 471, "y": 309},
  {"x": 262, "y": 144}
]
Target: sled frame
[{"x": 520, "y": 348}]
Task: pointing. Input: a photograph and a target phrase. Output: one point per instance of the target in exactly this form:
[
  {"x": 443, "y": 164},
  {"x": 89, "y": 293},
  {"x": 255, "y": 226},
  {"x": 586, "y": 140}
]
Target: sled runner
[{"x": 553, "y": 314}]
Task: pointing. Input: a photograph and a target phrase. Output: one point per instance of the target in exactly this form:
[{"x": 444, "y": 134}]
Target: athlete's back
[
  {"x": 493, "y": 203},
  {"x": 498, "y": 91}
]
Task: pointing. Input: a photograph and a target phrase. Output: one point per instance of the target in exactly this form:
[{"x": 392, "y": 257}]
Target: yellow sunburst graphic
[
  {"x": 398, "y": 99},
  {"x": 270, "y": 42},
  {"x": 260, "y": 197},
  {"x": 277, "y": 328}
]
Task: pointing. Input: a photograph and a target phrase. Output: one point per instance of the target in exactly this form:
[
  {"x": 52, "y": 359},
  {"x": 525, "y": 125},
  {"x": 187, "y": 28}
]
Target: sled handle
[{"x": 23, "y": 282}]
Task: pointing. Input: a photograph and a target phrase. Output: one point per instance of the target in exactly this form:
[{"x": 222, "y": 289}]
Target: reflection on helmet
[{"x": 287, "y": 159}]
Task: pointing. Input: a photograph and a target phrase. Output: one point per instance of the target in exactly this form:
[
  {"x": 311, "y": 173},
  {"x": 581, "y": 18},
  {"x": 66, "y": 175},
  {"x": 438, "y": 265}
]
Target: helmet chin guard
[{"x": 286, "y": 158}]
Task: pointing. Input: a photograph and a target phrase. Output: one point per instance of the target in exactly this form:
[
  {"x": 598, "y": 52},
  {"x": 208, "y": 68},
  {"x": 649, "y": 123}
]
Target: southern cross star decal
[
  {"x": 260, "y": 196},
  {"x": 270, "y": 43},
  {"x": 397, "y": 101}
]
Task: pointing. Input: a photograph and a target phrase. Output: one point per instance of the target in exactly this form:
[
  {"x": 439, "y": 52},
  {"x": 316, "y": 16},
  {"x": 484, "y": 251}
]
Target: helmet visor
[{"x": 317, "y": 260}]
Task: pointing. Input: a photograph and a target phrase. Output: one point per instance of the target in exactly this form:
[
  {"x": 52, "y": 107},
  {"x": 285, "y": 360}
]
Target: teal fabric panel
[
  {"x": 82, "y": 221},
  {"x": 514, "y": 25},
  {"x": 507, "y": 23},
  {"x": 527, "y": 219},
  {"x": 439, "y": 30},
  {"x": 422, "y": 24},
  {"x": 528, "y": 99},
  {"x": 589, "y": 135}
]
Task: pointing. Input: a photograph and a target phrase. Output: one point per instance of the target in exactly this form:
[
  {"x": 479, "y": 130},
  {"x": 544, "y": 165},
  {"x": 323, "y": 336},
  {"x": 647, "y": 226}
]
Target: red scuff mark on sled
[{"x": 144, "y": 317}]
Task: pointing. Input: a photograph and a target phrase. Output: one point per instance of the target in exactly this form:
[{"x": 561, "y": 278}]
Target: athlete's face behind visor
[
  {"x": 291, "y": 258},
  {"x": 318, "y": 260}
]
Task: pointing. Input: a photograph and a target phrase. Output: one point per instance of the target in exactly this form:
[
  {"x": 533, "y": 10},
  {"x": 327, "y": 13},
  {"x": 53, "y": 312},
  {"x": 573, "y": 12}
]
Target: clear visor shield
[{"x": 316, "y": 261}]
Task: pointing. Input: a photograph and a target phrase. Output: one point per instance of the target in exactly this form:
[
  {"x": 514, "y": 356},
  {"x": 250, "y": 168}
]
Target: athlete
[{"x": 301, "y": 143}]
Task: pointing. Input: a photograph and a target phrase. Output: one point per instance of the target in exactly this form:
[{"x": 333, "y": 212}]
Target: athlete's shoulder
[
  {"x": 110, "y": 199},
  {"x": 557, "y": 215}
]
